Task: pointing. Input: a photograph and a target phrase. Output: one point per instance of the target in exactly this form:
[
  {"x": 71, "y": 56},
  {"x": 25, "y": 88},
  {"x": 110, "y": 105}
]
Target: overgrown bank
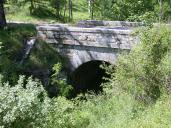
[
  {"x": 137, "y": 94},
  {"x": 13, "y": 40}
]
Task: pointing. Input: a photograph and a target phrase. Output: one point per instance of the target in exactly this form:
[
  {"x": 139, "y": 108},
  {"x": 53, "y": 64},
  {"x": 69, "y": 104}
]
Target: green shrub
[
  {"x": 23, "y": 105},
  {"x": 148, "y": 18},
  {"x": 58, "y": 79},
  {"x": 100, "y": 111},
  {"x": 145, "y": 71},
  {"x": 61, "y": 113}
]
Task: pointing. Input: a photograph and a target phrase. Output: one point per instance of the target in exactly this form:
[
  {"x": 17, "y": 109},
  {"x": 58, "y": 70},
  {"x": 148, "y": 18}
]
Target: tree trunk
[
  {"x": 70, "y": 10},
  {"x": 89, "y": 6},
  {"x": 32, "y": 6},
  {"x": 65, "y": 8},
  {"x": 92, "y": 9},
  {"x": 161, "y": 10},
  {"x": 57, "y": 5},
  {"x": 2, "y": 15}
]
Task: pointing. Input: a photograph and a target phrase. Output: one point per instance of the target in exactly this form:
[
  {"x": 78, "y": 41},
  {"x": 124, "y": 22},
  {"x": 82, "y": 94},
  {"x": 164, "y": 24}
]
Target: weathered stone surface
[{"x": 80, "y": 45}]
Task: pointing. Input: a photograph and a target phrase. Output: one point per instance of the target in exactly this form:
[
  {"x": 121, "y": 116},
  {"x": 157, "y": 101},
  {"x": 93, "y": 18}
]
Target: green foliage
[
  {"x": 156, "y": 116},
  {"x": 27, "y": 105},
  {"x": 143, "y": 76},
  {"x": 42, "y": 57},
  {"x": 145, "y": 71},
  {"x": 12, "y": 40},
  {"x": 148, "y": 18},
  {"x": 107, "y": 110},
  {"x": 58, "y": 79},
  {"x": 23, "y": 105},
  {"x": 132, "y": 10},
  {"x": 40, "y": 9},
  {"x": 122, "y": 9},
  {"x": 61, "y": 113},
  {"x": 111, "y": 110},
  {"x": 58, "y": 10}
]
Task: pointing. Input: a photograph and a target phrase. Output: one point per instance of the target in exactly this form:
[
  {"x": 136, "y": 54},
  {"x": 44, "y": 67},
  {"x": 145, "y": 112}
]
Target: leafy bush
[
  {"x": 148, "y": 18},
  {"x": 145, "y": 72},
  {"x": 61, "y": 113},
  {"x": 96, "y": 111},
  {"x": 58, "y": 79},
  {"x": 23, "y": 105}
]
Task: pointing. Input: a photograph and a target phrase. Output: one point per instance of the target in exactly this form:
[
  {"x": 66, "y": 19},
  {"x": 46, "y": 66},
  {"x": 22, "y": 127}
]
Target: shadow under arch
[{"x": 88, "y": 77}]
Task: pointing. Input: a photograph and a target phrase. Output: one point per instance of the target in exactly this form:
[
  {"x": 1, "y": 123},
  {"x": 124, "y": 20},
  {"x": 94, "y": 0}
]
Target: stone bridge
[
  {"x": 87, "y": 46},
  {"x": 90, "y": 40}
]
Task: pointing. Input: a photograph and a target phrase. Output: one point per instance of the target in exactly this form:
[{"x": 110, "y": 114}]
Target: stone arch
[
  {"x": 88, "y": 77},
  {"x": 79, "y": 57}
]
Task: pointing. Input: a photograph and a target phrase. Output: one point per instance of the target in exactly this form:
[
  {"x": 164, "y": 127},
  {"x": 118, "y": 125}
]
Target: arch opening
[{"x": 88, "y": 77}]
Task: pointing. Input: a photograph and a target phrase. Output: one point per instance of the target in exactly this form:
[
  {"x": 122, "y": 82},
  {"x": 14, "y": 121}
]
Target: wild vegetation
[
  {"x": 137, "y": 94},
  {"x": 75, "y": 10}
]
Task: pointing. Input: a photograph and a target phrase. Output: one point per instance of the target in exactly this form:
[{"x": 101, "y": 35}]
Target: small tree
[{"x": 58, "y": 80}]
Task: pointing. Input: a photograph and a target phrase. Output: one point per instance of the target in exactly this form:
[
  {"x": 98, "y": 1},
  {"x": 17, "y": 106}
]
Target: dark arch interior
[{"x": 88, "y": 77}]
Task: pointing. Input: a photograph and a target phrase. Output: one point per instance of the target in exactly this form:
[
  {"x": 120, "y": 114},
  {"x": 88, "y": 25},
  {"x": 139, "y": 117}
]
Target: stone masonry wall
[{"x": 80, "y": 45}]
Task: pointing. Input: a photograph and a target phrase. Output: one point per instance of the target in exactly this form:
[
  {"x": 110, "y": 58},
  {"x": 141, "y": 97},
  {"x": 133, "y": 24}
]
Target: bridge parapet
[
  {"x": 95, "y": 23},
  {"x": 96, "y": 37}
]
